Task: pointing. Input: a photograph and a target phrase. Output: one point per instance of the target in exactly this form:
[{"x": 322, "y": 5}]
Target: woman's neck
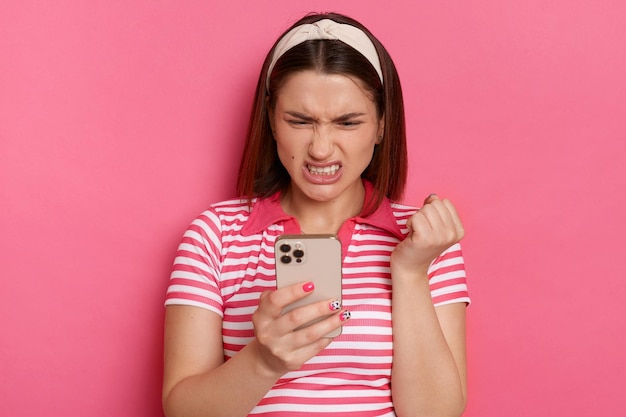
[{"x": 322, "y": 216}]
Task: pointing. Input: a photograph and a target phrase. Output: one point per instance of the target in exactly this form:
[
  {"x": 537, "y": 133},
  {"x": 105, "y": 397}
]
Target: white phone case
[{"x": 314, "y": 258}]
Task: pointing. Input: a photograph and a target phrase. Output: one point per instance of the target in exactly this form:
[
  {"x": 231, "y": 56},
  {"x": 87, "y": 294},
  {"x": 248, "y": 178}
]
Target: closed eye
[
  {"x": 298, "y": 122},
  {"x": 350, "y": 120},
  {"x": 350, "y": 123},
  {"x": 298, "y": 119}
]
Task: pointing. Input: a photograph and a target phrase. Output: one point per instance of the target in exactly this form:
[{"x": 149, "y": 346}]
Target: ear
[{"x": 381, "y": 129}]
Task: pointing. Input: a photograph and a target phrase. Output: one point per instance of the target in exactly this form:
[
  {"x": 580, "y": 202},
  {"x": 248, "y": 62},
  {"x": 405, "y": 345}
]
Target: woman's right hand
[
  {"x": 194, "y": 352},
  {"x": 282, "y": 348}
]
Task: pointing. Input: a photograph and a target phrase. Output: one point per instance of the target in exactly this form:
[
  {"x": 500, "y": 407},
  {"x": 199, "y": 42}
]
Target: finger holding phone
[{"x": 283, "y": 343}]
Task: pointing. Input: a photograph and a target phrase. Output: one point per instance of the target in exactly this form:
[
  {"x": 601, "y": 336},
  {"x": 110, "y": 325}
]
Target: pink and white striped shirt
[{"x": 226, "y": 259}]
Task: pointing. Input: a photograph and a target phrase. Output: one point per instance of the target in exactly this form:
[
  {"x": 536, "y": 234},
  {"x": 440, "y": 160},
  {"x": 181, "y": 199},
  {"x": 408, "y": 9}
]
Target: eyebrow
[{"x": 342, "y": 118}]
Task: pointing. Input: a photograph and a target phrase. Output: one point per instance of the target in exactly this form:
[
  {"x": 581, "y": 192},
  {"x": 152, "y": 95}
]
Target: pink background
[{"x": 122, "y": 120}]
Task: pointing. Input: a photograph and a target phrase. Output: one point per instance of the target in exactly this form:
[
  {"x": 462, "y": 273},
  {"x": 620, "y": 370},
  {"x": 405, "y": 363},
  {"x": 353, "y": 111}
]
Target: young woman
[{"x": 325, "y": 153}]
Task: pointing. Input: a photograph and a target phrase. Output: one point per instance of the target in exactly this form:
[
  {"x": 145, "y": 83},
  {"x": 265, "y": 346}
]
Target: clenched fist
[{"x": 432, "y": 229}]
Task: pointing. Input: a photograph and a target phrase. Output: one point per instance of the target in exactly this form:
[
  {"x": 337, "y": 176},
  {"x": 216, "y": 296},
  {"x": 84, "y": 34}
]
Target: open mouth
[{"x": 327, "y": 170}]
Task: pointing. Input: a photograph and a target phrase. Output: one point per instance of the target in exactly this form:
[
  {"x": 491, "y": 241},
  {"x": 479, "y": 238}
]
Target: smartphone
[{"x": 314, "y": 258}]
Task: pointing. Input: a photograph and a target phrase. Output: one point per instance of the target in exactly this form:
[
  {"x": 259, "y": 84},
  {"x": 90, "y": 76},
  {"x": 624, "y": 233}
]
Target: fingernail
[
  {"x": 345, "y": 315},
  {"x": 334, "y": 305},
  {"x": 308, "y": 287},
  {"x": 432, "y": 195}
]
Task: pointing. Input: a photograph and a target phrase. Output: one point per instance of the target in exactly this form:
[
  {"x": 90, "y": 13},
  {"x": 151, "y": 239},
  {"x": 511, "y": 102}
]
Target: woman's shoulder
[
  {"x": 402, "y": 210},
  {"x": 225, "y": 212},
  {"x": 232, "y": 205}
]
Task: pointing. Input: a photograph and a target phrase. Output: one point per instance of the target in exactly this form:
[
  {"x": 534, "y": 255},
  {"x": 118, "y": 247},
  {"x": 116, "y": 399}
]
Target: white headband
[{"x": 327, "y": 29}]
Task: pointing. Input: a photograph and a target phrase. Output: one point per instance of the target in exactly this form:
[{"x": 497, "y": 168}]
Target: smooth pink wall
[{"x": 120, "y": 121}]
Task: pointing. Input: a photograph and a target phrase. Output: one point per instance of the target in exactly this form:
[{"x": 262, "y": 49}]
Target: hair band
[{"x": 327, "y": 29}]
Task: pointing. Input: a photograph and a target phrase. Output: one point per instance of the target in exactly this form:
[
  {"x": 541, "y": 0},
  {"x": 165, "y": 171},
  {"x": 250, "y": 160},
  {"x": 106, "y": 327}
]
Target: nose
[{"x": 321, "y": 146}]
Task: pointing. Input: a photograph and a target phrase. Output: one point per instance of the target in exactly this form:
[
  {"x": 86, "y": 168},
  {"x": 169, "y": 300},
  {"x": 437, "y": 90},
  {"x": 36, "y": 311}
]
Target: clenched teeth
[{"x": 328, "y": 170}]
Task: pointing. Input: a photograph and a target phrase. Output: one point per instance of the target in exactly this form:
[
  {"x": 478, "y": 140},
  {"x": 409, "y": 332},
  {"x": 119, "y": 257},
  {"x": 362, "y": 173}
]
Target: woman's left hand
[{"x": 432, "y": 229}]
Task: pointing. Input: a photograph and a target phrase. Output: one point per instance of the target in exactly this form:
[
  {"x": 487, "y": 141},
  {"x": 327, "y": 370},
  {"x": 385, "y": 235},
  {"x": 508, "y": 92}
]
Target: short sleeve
[
  {"x": 448, "y": 281},
  {"x": 194, "y": 280}
]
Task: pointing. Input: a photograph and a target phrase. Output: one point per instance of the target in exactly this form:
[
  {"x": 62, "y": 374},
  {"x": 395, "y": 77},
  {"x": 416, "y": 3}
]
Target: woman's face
[{"x": 325, "y": 127}]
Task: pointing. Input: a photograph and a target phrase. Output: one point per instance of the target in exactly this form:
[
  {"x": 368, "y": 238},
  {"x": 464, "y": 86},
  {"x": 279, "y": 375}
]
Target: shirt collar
[{"x": 268, "y": 211}]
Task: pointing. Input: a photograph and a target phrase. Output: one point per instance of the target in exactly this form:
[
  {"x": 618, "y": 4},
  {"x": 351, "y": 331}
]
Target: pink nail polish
[
  {"x": 334, "y": 305},
  {"x": 308, "y": 287},
  {"x": 345, "y": 315}
]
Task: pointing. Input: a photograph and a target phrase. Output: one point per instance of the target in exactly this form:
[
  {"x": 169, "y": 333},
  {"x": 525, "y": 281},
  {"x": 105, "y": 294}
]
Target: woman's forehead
[{"x": 315, "y": 91}]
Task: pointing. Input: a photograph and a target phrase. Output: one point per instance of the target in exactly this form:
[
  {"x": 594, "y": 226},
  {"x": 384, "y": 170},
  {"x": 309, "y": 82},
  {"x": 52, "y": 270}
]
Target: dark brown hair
[{"x": 261, "y": 173}]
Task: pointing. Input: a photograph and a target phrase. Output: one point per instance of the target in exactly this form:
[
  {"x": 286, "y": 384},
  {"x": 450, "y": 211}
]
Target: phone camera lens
[
  {"x": 285, "y": 248},
  {"x": 298, "y": 253},
  {"x": 285, "y": 258}
]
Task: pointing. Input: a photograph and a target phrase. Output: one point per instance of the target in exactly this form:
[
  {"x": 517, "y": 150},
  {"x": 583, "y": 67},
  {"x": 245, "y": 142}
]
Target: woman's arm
[
  {"x": 197, "y": 381},
  {"x": 429, "y": 370},
  {"x": 429, "y": 367}
]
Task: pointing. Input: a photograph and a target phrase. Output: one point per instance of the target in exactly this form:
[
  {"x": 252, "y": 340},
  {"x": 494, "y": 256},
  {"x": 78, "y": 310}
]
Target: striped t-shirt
[{"x": 226, "y": 259}]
